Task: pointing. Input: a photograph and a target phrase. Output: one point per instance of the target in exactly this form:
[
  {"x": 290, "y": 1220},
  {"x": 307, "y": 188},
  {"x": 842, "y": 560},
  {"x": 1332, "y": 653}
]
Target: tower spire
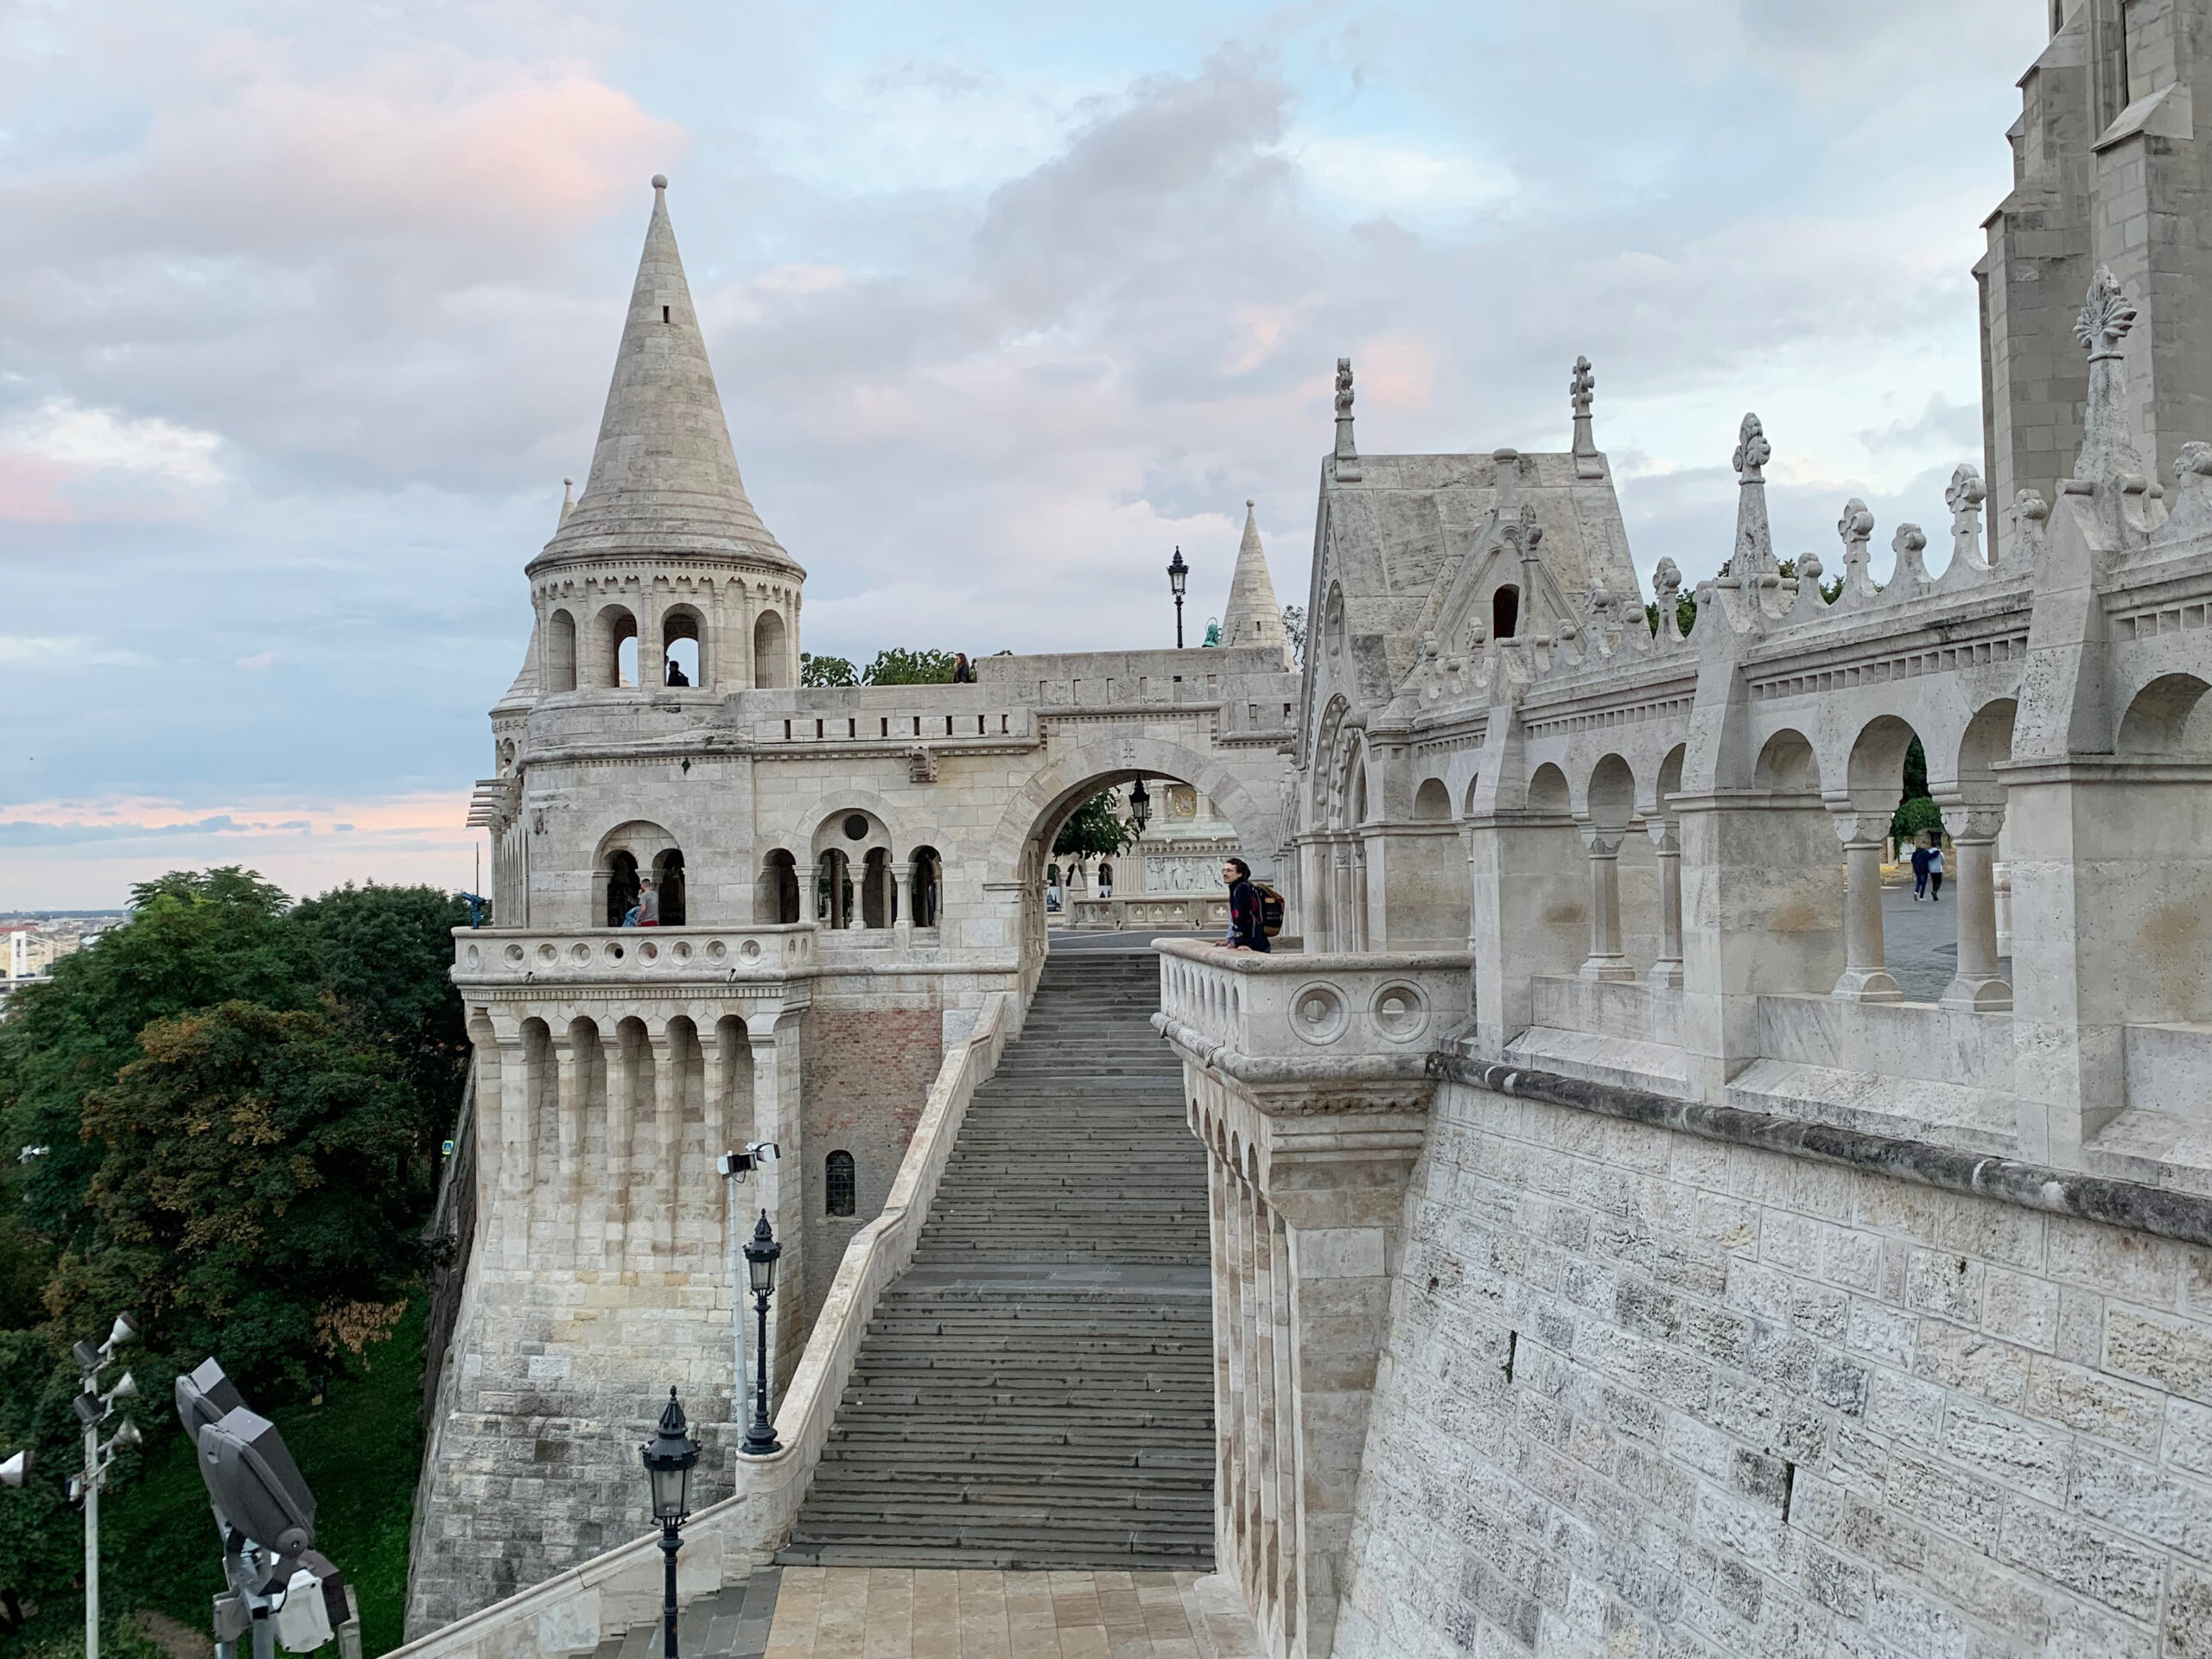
[
  {"x": 1252, "y": 617},
  {"x": 663, "y": 477}
]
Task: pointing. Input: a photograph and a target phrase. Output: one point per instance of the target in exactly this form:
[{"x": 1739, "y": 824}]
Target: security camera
[{"x": 756, "y": 1154}]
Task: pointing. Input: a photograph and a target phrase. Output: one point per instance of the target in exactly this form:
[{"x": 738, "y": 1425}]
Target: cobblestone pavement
[
  {"x": 858, "y": 1612},
  {"x": 1920, "y": 941}
]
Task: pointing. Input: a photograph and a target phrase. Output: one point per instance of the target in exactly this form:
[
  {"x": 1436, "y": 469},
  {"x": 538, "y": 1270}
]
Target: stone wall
[
  {"x": 1646, "y": 1393},
  {"x": 869, "y": 1077}
]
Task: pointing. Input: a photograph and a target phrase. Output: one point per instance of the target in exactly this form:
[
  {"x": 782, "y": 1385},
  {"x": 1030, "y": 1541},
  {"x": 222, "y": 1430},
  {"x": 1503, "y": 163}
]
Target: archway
[{"x": 1020, "y": 846}]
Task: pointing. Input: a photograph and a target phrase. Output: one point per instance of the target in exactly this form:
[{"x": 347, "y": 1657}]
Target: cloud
[{"x": 63, "y": 461}]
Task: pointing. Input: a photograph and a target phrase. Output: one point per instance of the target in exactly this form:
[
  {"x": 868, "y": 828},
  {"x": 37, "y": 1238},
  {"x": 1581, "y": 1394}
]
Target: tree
[
  {"x": 826, "y": 671},
  {"x": 1685, "y": 614},
  {"x": 1916, "y": 812},
  {"x": 253, "y": 1198},
  {"x": 1095, "y": 831},
  {"x": 893, "y": 666},
  {"x": 1294, "y": 624}
]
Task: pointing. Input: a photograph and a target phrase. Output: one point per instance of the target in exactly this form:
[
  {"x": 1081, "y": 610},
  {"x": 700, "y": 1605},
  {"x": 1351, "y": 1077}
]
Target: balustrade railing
[
  {"x": 1337, "y": 1006},
  {"x": 490, "y": 956}
]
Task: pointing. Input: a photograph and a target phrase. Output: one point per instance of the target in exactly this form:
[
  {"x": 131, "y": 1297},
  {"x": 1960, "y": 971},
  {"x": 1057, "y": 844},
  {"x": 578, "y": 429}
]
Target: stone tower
[
  {"x": 663, "y": 545},
  {"x": 2106, "y": 171},
  {"x": 1252, "y": 617}
]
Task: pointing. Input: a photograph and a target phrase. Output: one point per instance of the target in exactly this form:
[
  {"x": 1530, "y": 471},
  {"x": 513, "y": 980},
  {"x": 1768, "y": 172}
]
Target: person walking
[
  {"x": 1919, "y": 871},
  {"x": 1247, "y": 921},
  {"x": 648, "y": 904},
  {"x": 963, "y": 672},
  {"x": 1935, "y": 873}
]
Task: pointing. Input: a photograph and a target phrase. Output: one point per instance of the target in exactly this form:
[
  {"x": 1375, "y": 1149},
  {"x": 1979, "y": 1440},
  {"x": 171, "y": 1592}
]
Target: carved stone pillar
[
  {"x": 1604, "y": 960},
  {"x": 1977, "y": 985},
  {"x": 902, "y": 904},
  {"x": 659, "y": 1182},
  {"x": 1667, "y": 848},
  {"x": 1865, "y": 973},
  {"x": 773, "y": 1033}
]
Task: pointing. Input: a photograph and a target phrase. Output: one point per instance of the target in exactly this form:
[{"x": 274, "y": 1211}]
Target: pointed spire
[
  {"x": 663, "y": 478},
  {"x": 1252, "y": 617},
  {"x": 568, "y": 498}
]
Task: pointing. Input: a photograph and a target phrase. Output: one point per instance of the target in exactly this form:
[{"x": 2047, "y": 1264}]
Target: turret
[
  {"x": 1252, "y": 617},
  {"x": 663, "y": 545}
]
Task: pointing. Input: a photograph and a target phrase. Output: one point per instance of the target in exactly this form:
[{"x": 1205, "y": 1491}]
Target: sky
[{"x": 306, "y": 311}]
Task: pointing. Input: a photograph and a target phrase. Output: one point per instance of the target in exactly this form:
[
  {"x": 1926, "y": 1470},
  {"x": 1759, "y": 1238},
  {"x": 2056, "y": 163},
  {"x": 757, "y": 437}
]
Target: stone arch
[
  {"x": 839, "y": 1185},
  {"x": 679, "y": 623},
  {"x": 1609, "y": 794},
  {"x": 1787, "y": 764},
  {"x": 561, "y": 650},
  {"x": 819, "y": 822},
  {"x": 1467, "y": 800},
  {"x": 2163, "y": 718},
  {"x": 1668, "y": 782},
  {"x": 1986, "y": 743},
  {"x": 1877, "y": 761},
  {"x": 613, "y": 627},
  {"x": 1433, "y": 802},
  {"x": 925, "y": 886},
  {"x": 1505, "y": 611},
  {"x": 777, "y": 899},
  {"x": 1548, "y": 794},
  {"x": 771, "y": 652},
  {"x": 623, "y": 855}
]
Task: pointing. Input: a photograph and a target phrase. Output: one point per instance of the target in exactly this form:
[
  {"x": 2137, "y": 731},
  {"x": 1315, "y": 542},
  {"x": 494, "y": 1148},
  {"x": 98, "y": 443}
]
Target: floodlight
[
  {"x": 125, "y": 1390},
  {"x": 127, "y": 1436},
  {"x": 124, "y": 1331},
  {"x": 204, "y": 1397},
  {"x": 252, "y": 1480},
  {"x": 13, "y": 1471}
]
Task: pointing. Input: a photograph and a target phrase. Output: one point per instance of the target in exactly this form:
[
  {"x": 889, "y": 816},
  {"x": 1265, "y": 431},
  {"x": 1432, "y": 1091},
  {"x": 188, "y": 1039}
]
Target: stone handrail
[
  {"x": 572, "y": 1611},
  {"x": 492, "y": 957},
  {"x": 1294, "y": 1013}
]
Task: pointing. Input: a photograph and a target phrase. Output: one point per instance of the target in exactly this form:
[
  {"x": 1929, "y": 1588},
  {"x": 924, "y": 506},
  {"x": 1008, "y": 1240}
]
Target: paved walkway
[{"x": 862, "y": 1612}]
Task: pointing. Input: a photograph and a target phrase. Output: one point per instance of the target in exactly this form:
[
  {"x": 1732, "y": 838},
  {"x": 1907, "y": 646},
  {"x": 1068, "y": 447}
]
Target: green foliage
[
  {"x": 1095, "y": 831},
  {"x": 893, "y": 666},
  {"x": 1685, "y": 614},
  {"x": 1213, "y": 632},
  {"x": 1294, "y": 624},
  {"x": 243, "y": 1101},
  {"x": 826, "y": 671},
  {"x": 1916, "y": 811}
]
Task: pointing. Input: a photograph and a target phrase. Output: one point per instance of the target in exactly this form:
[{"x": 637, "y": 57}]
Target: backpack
[{"x": 1271, "y": 910}]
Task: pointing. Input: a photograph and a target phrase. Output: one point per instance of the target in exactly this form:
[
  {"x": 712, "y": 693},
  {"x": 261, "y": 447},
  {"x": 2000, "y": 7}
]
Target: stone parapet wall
[{"x": 1645, "y": 1392}]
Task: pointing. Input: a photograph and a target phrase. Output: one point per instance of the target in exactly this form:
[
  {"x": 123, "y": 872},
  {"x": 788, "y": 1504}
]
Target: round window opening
[{"x": 855, "y": 827}]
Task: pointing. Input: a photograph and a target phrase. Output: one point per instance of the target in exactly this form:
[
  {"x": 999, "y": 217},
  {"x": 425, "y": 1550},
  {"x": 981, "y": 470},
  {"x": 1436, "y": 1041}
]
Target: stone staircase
[{"x": 1036, "y": 1389}]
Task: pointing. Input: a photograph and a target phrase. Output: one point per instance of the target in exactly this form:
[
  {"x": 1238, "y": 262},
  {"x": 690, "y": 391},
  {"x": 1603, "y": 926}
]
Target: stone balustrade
[
  {"x": 1299, "y": 1014},
  {"x": 492, "y": 958}
]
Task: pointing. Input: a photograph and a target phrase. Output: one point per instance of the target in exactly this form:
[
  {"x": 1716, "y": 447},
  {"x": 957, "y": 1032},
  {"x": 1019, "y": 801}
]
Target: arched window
[
  {"x": 833, "y": 890},
  {"x": 621, "y": 887},
  {"x": 769, "y": 667},
  {"x": 839, "y": 1185},
  {"x": 1105, "y": 879},
  {"x": 617, "y": 648},
  {"x": 1505, "y": 611},
  {"x": 780, "y": 887},
  {"x": 561, "y": 652},
  {"x": 668, "y": 876},
  {"x": 927, "y": 882},
  {"x": 684, "y": 645}
]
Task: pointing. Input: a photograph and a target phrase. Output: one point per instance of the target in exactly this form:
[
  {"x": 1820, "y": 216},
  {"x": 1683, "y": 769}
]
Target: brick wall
[
  {"x": 869, "y": 1071},
  {"x": 1991, "y": 1430}
]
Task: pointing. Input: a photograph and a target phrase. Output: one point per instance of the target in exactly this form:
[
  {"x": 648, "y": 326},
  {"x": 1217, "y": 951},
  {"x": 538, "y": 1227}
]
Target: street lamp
[
  {"x": 94, "y": 1407},
  {"x": 668, "y": 1460},
  {"x": 760, "y": 1254},
  {"x": 1177, "y": 573},
  {"x": 1139, "y": 806}
]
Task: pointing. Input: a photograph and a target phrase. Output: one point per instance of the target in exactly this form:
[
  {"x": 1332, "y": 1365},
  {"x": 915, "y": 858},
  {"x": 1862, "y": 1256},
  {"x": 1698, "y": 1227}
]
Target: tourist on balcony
[
  {"x": 963, "y": 672},
  {"x": 648, "y": 904},
  {"x": 1248, "y": 919}
]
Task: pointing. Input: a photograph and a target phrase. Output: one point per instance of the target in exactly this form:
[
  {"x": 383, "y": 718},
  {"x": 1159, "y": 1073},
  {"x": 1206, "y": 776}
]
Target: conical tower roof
[
  {"x": 663, "y": 478},
  {"x": 1252, "y": 617}
]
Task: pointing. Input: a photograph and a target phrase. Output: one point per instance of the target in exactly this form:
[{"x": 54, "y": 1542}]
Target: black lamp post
[
  {"x": 668, "y": 1462},
  {"x": 1139, "y": 806},
  {"x": 1177, "y": 573},
  {"x": 760, "y": 1254}
]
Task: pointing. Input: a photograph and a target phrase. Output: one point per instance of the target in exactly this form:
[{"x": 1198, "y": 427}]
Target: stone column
[
  {"x": 902, "y": 904},
  {"x": 519, "y": 1084},
  {"x": 1313, "y": 895},
  {"x": 1977, "y": 986},
  {"x": 773, "y": 1033},
  {"x": 668, "y": 1058},
  {"x": 1360, "y": 929},
  {"x": 1866, "y": 973},
  {"x": 1667, "y": 848},
  {"x": 1605, "y": 961}
]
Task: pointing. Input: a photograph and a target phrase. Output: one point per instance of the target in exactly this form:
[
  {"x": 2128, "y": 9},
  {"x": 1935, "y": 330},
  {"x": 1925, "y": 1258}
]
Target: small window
[
  {"x": 838, "y": 1184},
  {"x": 663, "y": 313}
]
